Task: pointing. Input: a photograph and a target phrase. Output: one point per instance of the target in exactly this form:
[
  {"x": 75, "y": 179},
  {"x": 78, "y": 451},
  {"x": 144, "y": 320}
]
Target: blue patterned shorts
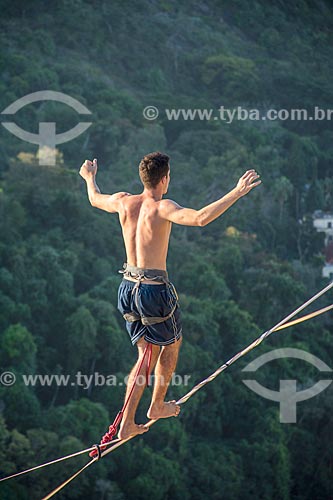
[{"x": 150, "y": 300}]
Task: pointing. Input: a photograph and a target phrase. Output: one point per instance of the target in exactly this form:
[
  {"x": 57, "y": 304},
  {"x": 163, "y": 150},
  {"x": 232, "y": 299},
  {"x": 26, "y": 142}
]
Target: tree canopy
[{"x": 236, "y": 277}]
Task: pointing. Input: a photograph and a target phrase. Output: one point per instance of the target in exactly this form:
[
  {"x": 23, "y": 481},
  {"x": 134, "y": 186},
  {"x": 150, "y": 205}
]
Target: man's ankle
[{"x": 157, "y": 404}]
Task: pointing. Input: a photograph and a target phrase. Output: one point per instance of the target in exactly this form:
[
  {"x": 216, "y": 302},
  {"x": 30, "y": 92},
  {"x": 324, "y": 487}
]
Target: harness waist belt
[{"x": 141, "y": 273}]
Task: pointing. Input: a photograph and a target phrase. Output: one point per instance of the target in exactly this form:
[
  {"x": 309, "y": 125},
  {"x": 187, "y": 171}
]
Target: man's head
[{"x": 153, "y": 169}]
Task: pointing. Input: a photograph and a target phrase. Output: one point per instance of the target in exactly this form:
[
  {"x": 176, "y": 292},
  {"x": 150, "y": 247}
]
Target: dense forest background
[{"x": 236, "y": 277}]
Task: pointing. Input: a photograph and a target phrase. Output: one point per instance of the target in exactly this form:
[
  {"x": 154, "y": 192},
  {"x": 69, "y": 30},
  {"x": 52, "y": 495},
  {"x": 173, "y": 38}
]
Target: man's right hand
[
  {"x": 247, "y": 182},
  {"x": 88, "y": 169}
]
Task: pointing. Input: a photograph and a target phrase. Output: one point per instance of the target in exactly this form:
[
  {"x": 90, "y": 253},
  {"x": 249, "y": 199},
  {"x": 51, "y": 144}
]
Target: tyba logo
[
  {"x": 287, "y": 396},
  {"x": 47, "y": 138}
]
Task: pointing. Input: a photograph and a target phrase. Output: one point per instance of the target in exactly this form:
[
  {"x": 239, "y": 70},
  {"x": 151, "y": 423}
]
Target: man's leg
[
  {"x": 128, "y": 427},
  {"x": 164, "y": 369}
]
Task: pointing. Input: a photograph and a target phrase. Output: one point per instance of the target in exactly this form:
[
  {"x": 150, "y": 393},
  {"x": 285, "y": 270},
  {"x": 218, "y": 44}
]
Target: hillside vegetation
[{"x": 236, "y": 277}]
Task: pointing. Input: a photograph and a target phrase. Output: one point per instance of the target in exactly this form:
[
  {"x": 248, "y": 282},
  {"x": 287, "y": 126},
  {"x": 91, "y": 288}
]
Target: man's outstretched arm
[
  {"x": 108, "y": 202},
  {"x": 188, "y": 217}
]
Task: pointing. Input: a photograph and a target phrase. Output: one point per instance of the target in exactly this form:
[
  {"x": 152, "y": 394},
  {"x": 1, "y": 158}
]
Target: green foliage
[
  {"x": 18, "y": 348},
  {"x": 81, "y": 418},
  {"x": 236, "y": 277},
  {"x": 227, "y": 73},
  {"x": 81, "y": 334}
]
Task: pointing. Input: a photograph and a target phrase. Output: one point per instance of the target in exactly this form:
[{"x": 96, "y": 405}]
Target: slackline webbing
[{"x": 116, "y": 443}]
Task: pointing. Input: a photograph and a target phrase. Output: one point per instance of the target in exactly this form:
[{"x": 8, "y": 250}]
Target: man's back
[
  {"x": 146, "y": 218},
  {"x": 146, "y": 234}
]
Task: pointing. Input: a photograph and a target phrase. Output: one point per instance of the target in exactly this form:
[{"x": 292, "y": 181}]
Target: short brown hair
[{"x": 153, "y": 167}]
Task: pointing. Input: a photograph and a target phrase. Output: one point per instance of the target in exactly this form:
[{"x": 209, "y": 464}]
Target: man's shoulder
[
  {"x": 167, "y": 207},
  {"x": 122, "y": 196},
  {"x": 166, "y": 203}
]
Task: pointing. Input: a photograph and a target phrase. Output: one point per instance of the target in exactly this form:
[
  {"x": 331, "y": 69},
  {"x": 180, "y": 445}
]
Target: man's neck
[{"x": 155, "y": 194}]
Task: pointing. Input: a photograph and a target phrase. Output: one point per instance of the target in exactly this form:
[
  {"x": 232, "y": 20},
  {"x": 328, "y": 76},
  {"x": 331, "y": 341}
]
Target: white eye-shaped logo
[
  {"x": 47, "y": 139},
  {"x": 287, "y": 396}
]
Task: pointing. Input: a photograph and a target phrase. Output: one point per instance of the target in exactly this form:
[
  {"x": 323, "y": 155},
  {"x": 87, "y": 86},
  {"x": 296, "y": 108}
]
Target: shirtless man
[{"x": 146, "y": 221}]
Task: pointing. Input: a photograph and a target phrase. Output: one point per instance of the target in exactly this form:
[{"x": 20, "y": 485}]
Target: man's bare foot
[
  {"x": 164, "y": 410},
  {"x": 131, "y": 429}
]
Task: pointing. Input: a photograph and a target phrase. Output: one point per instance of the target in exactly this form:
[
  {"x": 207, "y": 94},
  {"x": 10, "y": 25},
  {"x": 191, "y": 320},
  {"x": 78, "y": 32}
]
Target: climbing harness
[{"x": 140, "y": 274}]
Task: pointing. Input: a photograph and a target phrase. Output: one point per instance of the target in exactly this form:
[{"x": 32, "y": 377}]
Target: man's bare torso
[
  {"x": 146, "y": 234},
  {"x": 146, "y": 218}
]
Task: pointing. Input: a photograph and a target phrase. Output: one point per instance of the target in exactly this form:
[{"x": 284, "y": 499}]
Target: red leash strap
[
  {"x": 150, "y": 349},
  {"x": 108, "y": 436}
]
